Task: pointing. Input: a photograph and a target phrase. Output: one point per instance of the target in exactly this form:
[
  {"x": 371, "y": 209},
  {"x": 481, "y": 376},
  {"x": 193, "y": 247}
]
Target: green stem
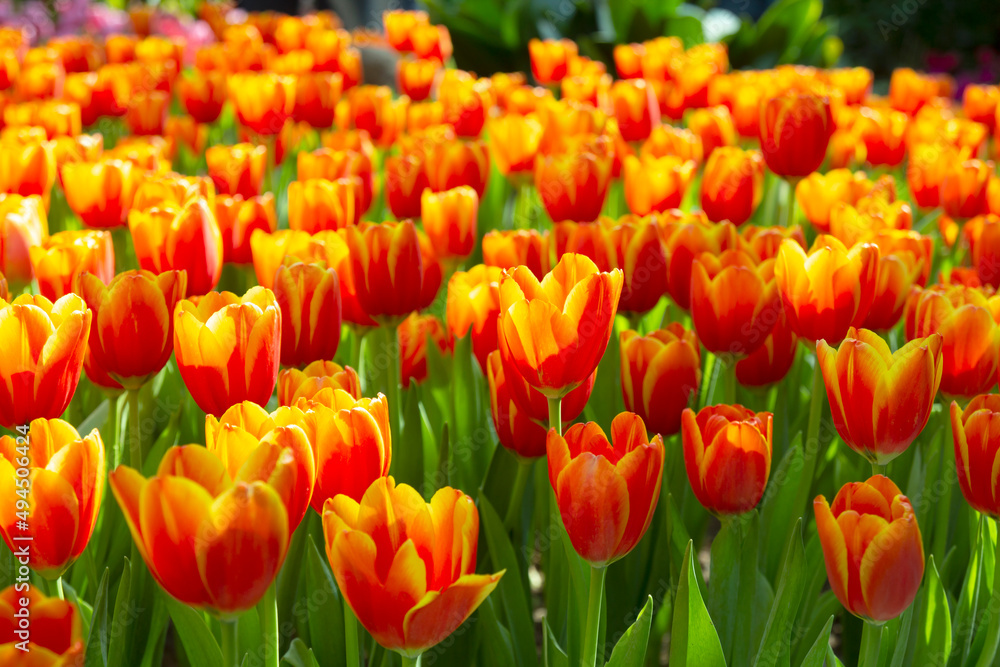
[
  {"x": 411, "y": 662},
  {"x": 267, "y": 611},
  {"x": 230, "y": 649},
  {"x": 555, "y": 414},
  {"x": 729, "y": 377},
  {"x": 811, "y": 445},
  {"x": 351, "y": 637},
  {"x": 593, "y": 616},
  {"x": 790, "y": 205},
  {"x": 60, "y": 593},
  {"x": 878, "y": 468},
  {"x": 993, "y": 634},
  {"x": 871, "y": 645},
  {"x": 942, "y": 516},
  {"x": 517, "y": 493},
  {"x": 135, "y": 432},
  {"x": 393, "y": 380}
]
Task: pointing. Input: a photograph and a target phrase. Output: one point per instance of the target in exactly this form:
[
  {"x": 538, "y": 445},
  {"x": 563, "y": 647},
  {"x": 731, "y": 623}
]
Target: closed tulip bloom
[
  {"x": 170, "y": 189},
  {"x": 23, "y": 225},
  {"x": 416, "y": 77},
  {"x": 573, "y": 186},
  {"x": 900, "y": 269},
  {"x": 319, "y": 204},
  {"x": 976, "y": 448},
  {"x": 970, "y": 336},
  {"x": 979, "y": 104},
  {"x": 318, "y": 376},
  {"x": 210, "y": 541},
  {"x": 714, "y": 126},
  {"x": 926, "y": 168},
  {"x": 829, "y": 290},
  {"x": 203, "y": 94},
  {"x": 238, "y": 219},
  {"x": 373, "y": 109},
  {"x": 28, "y": 169},
  {"x": 872, "y": 547},
  {"x": 388, "y": 269},
  {"x": 309, "y": 298},
  {"x": 818, "y": 193},
  {"x": 732, "y": 185},
  {"x": 963, "y": 189},
  {"x": 474, "y": 304},
  {"x": 771, "y": 361},
  {"x": 684, "y": 240},
  {"x": 332, "y": 164},
  {"x": 237, "y": 169},
  {"x": 270, "y": 251},
  {"x": 880, "y": 400},
  {"x": 765, "y": 241},
  {"x": 186, "y": 132},
  {"x": 449, "y": 220},
  {"x": 514, "y": 143},
  {"x": 56, "y": 638},
  {"x": 405, "y": 180},
  {"x": 635, "y": 108},
  {"x": 414, "y": 334},
  {"x": 228, "y": 347},
  {"x": 659, "y": 374},
  {"x": 67, "y": 480},
  {"x": 65, "y": 255},
  {"x": 550, "y": 59},
  {"x": 606, "y": 490},
  {"x": 727, "y": 453},
  {"x": 187, "y": 239},
  {"x": 100, "y": 192},
  {"x": 450, "y": 164},
  {"x": 516, "y": 429},
  {"x": 263, "y": 100},
  {"x": 521, "y": 247},
  {"x": 316, "y": 97},
  {"x": 555, "y": 331},
  {"x": 795, "y": 130},
  {"x": 656, "y": 184},
  {"x": 40, "y": 379},
  {"x": 415, "y": 584},
  {"x": 910, "y": 90},
  {"x": 147, "y": 112}
]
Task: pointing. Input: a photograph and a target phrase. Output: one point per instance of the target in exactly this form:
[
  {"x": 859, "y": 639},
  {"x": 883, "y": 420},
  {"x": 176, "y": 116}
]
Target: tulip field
[{"x": 629, "y": 362}]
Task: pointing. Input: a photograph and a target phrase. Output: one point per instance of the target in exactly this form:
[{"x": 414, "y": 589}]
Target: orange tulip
[
  {"x": 263, "y": 100},
  {"x": 63, "y": 499},
  {"x": 440, "y": 588},
  {"x": 147, "y": 112},
  {"x": 24, "y": 226},
  {"x": 319, "y": 376},
  {"x": 449, "y": 220},
  {"x": 270, "y": 251},
  {"x": 872, "y": 547},
  {"x": 40, "y": 81},
  {"x": 101, "y": 193},
  {"x": 550, "y": 59},
  {"x": 829, "y": 290},
  {"x": 555, "y": 331},
  {"x": 211, "y": 541},
  {"x": 238, "y": 169},
  {"x": 316, "y": 97},
  {"x": 413, "y": 335},
  {"x": 170, "y": 189},
  {"x": 183, "y": 239},
  {"x": 332, "y": 164},
  {"x": 319, "y": 204},
  {"x": 573, "y": 186},
  {"x": 771, "y": 361},
  {"x": 203, "y": 95},
  {"x": 399, "y": 26},
  {"x": 416, "y": 77},
  {"x": 970, "y": 344},
  {"x": 883, "y": 133},
  {"x": 63, "y": 256},
  {"x": 373, "y": 109},
  {"x": 27, "y": 168},
  {"x": 309, "y": 298},
  {"x": 516, "y": 429},
  {"x": 656, "y": 184},
  {"x": 55, "y": 633},
  {"x": 185, "y": 131},
  {"x": 474, "y": 303},
  {"x": 975, "y": 426},
  {"x": 509, "y": 249},
  {"x": 732, "y": 185},
  {"x": 52, "y": 339},
  {"x": 818, "y": 193},
  {"x": 659, "y": 374},
  {"x": 795, "y": 130},
  {"x": 405, "y": 180},
  {"x": 238, "y": 219},
  {"x": 880, "y": 400},
  {"x": 926, "y": 169},
  {"x": 514, "y": 143},
  {"x": 465, "y": 105},
  {"x": 979, "y": 104},
  {"x": 450, "y": 164},
  {"x": 606, "y": 491},
  {"x": 635, "y": 108},
  {"x": 684, "y": 240},
  {"x": 714, "y": 126},
  {"x": 909, "y": 90},
  {"x": 963, "y": 189},
  {"x": 431, "y": 42},
  {"x": 228, "y": 347}
]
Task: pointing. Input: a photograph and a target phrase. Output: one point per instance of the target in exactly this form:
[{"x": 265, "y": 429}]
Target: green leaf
[
  {"x": 509, "y": 592},
  {"x": 777, "y": 509},
  {"x": 97, "y": 641},
  {"x": 816, "y": 657},
  {"x": 775, "y": 646},
  {"x": 496, "y": 649},
  {"x": 326, "y": 613},
  {"x": 409, "y": 447},
  {"x": 122, "y": 617},
  {"x": 630, "y": 651},
  {"x": 299, "y": 655},
  {"x": 733, "y": 584},
  {"x": 96, "y": 419},
  {"x": 934, "y": 629},
  {"x": 693, "y": 639},
  {"x": 195, "y": 634},
  {"x": 552, "y": 653}
]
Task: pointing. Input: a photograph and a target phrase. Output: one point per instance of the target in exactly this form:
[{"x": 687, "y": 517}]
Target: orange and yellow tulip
[
  {"x": 405, "y": 181},
  {"x": 714, "y": 126},
  {"x": 413, "y": 612},
  {"x": 979, "y": 104},
  {"x": 635, "y": 108},
  {"x": 516, "y": 429},
  {"x": 606, "y": 490},
  {"x": 771, "y": 361},
  {"x": 203, "y": 94},
  {"x": 228, "y": 347},
  {"x": 309, "y": 298},
  {"x": 465, "y": 104},
  {"x": 450, "y": 164},
  {"x": 686, "y": 238},
  {"x": 237, "y": 169},
  {"x": 909, "y": 90},
  {"x": 271, "y": 250},
  {"x": 474, "y": 303},
  {"x": 332, "y": 164},
  {"x": 732, "y": 185},
  {"x": 399, "y": 25},
  {"x": 63, "y": 499},
  {"x": 414, "y": 334},
  {"x": 872, "y": 547},
  {"x": 573, "y": 186},
  {"x": 550, "y": 59},
  {"x": 880, "y": 400},
  {"x": 659, "y": 374},
  {"x": 449, "y": 220},
  {"x": 63, "y": 256},
  {"x": 316, "y": 97},
  {"x": 963, "y": 189},
  {"x": 318, "y": 204},
  {"x": 101, "y": 193},
  {"x": 727, "y": 454},
  {"x": 976, "y": 451},
  {"x": 653, "y": 185},
  {"x": 555, "y": 331},
  {"x": 521, "y": 247},
  {"x": 55, "y": 635},
  {"x": 795, "y": 130},
  {"x": 147, "y": 112},
  {"x": 24, "y": 225},
  {"x": 373, "y": 109},
  {"x": 317, "y": 377},
  {"x": 514, "y": 143},
  {"x": 263, "y": 100},
  {"x": 817, "y": 194},
  {"x": 415, "y": 78},
  {"x": 28, "y": 168},
  {"x": 926, "y": 169},
  {"x": 238, "y": 219}
]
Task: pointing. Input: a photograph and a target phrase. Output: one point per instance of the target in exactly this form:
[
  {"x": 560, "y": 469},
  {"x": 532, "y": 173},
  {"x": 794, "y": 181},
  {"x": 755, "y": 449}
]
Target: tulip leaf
[
  {"x": 777, "y": 508},
  {"x": 630, "y": 651},
  {"x": 552, "y": 653},
  {"x": 408, "y": 449},
  {"x": 496, "y": 649},
  {"x": 195, "y": 634},
  {"x": 816, "y": 657},
  {"x": 97, "y": 640},
  {"x": 934, "y": 619},
  {"x": 693, "y": 639},
  {"x": 325, "y": 610},
  {"x": 733, "y": 584},
  {"x": 121, "y": 618},
  {"x": 510, "y": 591},
  {"x": 966, "y": 609},
  {"x": 775, "y": 645},
  {"x": 299, "y": 655},
  {"x": 96, "y": 419}
]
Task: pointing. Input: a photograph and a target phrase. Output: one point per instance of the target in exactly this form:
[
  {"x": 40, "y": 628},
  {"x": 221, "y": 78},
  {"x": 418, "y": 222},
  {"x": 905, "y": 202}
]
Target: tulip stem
[
  {"x": 810, "y": 448},
  {"x": 790, "y": 208},
  {"x": 593, "y": 616},
  {"x": 60, "y": 593},
  {"x": 729, "y": 373},
  {"x": 393, "y": 380},
  {"x": 135, "y": 433},
  {"x": 351, "y": 637},
  {"x": 411, "y": 662},
  {"x": 267, "y": 610},
  {"x": 520, "y": 481},
  {"x": 993, "y": 635},
  {"x": 230, "y": 644},
  {"x": 878, "y": 468},
  {"x": 555, "y": 414},
  {"x": 871, "y": 645},
  {"x": 942, "y": 518}
]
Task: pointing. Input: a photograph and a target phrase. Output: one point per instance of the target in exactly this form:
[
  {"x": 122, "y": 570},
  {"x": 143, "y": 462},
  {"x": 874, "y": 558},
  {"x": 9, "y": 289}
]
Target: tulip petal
[
  {"x": 439, "y": 614},
  {"x": 594, "y": 505}
]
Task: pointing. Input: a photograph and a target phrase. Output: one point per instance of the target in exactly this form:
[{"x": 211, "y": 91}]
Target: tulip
[
  {"x": 228, "y": 348},
  {"x": 474, "y": 303},
  {"x": 238, "y": 219},
  {"x": 522, "y": 247},
  {"x": 872, "y": 547},
  {"x": 319, "y": 204},
  {"x": 238, "y": 169},
  {"x": 926, "y": 169},
  {"x": 963, "y": 189},
  {"x": 431, "y": 42},
  {"x": 332, "y": 164},
  {"x": 388, "y": 268},
  {"x": 100, "y": 192},
  {"x": 309, "y": 298},
  {"x": 794, "y": 133},
  {"x": 269, "y": 251},
  {"x": 970, "y": 343},
  {"x": 24, "y": 225},
  {"x": 416, "y": 77},
  {"x": 450, "y": 221},
  {"x": 40, "y": 380},
  {"x": 450, "y": 164},
  {"x": 186, "y": 239},
  {"x": 573, "y": 186},
  {"x": 659, "y": 374},
  {"x": 686, "y": 239},
  {"x": 979, "y": 104},
  {"x": 880, "y": 400},
  {"x": 210, "y": 541},
  {"x": 516, "y": 429},
  {"x": 63, "y": 499},
  {"x": 203, "y": 95},
  {"x": 439, "y": 589},
  {"x": 56, "y": 637},
  {"x": 187, "y": 132},
  {"x": 147, "y": 112},
  {"x": 635, "y": 108},
  {"x": 465, "y": 105},
  {"x": 732, "y": 185},
  {"x": 714, "y": 126},
  {"x": 764, "y": 242},
  {"x": 606, "y": 491},
  {"x": 514, "y": 143},
  {"x": 405, "y": 181},
  {"x": 818, "y": 193},
  {"x": 829, "y": 290},
  {"x": 413, "y": 336},
  {"x": 909, "y": 90},
  {"x": 656, "y": 184},
  {"x": 316, "y": 96},
  {"x": 555, "y": 331},
  {"x": 331, "y": 247},
  {"x": 771, "y": 361},
  {"x": 27, "y": 168},
  {"x": 63, "y": 256},
  {"x": 373, "y": 109},
  {"x": 319, "y": 376},
  {"x": 263, "y": 100},
  {"x": 550, "y": 59},
  {"x": 974, "y": 426},
  {"x": 399, "y": 26}
]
